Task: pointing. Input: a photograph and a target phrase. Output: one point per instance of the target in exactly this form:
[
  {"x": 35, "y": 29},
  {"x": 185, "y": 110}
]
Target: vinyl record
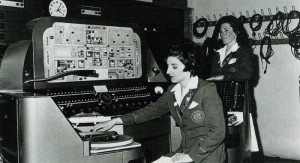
[
  {"x": 110, "y": 141},
  {"x": 101, "y": 134}
]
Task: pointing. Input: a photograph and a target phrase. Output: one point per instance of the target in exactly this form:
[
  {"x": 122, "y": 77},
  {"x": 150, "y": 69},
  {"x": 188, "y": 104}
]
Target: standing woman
[
  {"x": 233, "y": 59},
  {"x": 193, "y": 103}
]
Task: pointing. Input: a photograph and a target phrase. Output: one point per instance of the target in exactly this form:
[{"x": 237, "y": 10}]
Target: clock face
[{"x": 57, "y": 8}]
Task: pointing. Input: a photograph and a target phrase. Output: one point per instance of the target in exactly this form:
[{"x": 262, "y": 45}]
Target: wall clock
[{"x": 58, "y": 8}]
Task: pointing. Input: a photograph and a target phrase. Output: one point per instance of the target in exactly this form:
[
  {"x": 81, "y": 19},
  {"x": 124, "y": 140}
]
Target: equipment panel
[
  {"x": 113, "y": 52},
  {"x": 111, "y": 101},
  {"x": 232, "y": 94}
]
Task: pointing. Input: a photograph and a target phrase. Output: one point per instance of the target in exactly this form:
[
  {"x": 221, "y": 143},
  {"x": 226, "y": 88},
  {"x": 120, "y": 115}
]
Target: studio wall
[{"x": 277, "y": 92}]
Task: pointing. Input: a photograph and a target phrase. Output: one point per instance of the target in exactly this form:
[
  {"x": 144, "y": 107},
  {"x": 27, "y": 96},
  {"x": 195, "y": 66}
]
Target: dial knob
[
  {"x": 105, "y": 98},
  {"x": 158, "y": 90}
]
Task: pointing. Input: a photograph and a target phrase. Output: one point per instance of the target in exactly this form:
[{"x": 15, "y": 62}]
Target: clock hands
[
  {"x": 58, "y": 9},
  {"x": 60, "y": 12}
]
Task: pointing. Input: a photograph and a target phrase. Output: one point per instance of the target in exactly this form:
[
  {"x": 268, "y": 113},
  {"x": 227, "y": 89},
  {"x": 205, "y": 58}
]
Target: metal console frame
[{"x": 39, "y": 132}]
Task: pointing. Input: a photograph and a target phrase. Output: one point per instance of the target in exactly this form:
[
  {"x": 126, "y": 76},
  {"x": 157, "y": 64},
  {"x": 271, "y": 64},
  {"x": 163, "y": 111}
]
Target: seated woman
[
  {"x": 193, "y": 103},
  {"x": 233, "y": 59}
]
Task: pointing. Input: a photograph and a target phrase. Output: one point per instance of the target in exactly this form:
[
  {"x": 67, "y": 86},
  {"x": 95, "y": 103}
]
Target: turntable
[
  {"x": 101, "y": 141},
  {"x": 104, "y": 141}
]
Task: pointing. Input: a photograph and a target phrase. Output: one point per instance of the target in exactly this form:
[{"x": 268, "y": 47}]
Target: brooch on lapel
[
  {"x": 188, "y": 99},
  {"x": 175, "y": 103}
]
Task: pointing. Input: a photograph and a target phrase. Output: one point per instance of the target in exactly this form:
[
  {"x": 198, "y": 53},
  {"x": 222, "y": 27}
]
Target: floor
[
  {"x": 256, "y": 158},
  {"x": 264, "y": 159}
]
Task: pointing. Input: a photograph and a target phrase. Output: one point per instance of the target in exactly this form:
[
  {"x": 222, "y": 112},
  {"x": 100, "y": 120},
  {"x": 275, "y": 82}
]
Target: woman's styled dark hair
[
  {"x": 186, "y": 52},
  {"x": 238, "y": 28}
]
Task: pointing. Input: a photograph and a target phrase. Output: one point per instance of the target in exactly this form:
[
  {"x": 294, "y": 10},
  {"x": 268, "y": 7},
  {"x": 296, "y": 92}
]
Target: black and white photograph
[{"x": 149, "y": 81}]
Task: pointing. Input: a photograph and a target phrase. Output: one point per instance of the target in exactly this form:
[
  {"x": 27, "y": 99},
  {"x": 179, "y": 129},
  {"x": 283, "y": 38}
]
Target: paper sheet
[
  {"x": 254, "y": 145},
  {"x": 163, "y": 159}
]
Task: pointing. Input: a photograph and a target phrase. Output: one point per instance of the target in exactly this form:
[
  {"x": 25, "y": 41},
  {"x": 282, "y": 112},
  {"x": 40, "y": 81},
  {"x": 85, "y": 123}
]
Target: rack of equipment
[
  {"x": 237, "y": 103},
  {"x": 70, "y": 76}
]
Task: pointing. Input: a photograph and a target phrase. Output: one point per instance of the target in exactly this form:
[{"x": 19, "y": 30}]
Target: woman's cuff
[{"x": 128, "y": 119}]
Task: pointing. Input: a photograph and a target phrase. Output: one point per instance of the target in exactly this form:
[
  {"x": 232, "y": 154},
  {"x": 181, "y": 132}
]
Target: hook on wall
[
  {"x": 259, "y": 36},
  {"x": 285, "y": 10},
  {"x": 265, "y": 33},
  {"x": 241, "y": 13},
  {"x": 293, "y": 8},
  {"x": 247, "y": 13},
  {"x": 262, "y": 12},
  {"x": 254, "y": 12},
  {"x": 220, "y": 15},
  {"x": 215, "y": 17},
  {"x": 270, "y": 11},
  {"x": 208, "y": 18},
  {"x": 281, "y": 35},
  {"x": 275, "y": 37},
  {"x": 277, "y": 9}
]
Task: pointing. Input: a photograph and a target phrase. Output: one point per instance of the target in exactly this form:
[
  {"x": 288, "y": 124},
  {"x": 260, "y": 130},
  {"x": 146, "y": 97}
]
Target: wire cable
[
  {"x": 296, "y": 53},
  {"x": 273, "y": 29},
  {"x": 197, "y": 24},
  {"x": 294, "y": 42},
  {"x": 258, "y": 19},
  {"x": 286, "y": 22},
  {"x": 269, "y": 53}
]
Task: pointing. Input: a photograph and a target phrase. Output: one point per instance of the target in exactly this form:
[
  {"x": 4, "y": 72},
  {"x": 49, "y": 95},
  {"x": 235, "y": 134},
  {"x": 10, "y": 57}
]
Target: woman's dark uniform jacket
[
  {"x": 202, "y": 127},
  {"x": 241, "y": 69}
]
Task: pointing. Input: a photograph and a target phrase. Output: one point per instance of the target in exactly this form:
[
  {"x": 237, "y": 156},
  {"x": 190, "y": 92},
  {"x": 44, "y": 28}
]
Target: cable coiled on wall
[
  {"x": 197, "y": 24},
  {"x": 269, "y": 52},
  {"x": 285, "y": 26},
  {"x": 258, "y": 19},
  {"x": 294, "y": 42},
  {"x": 274, "y": 30}
]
